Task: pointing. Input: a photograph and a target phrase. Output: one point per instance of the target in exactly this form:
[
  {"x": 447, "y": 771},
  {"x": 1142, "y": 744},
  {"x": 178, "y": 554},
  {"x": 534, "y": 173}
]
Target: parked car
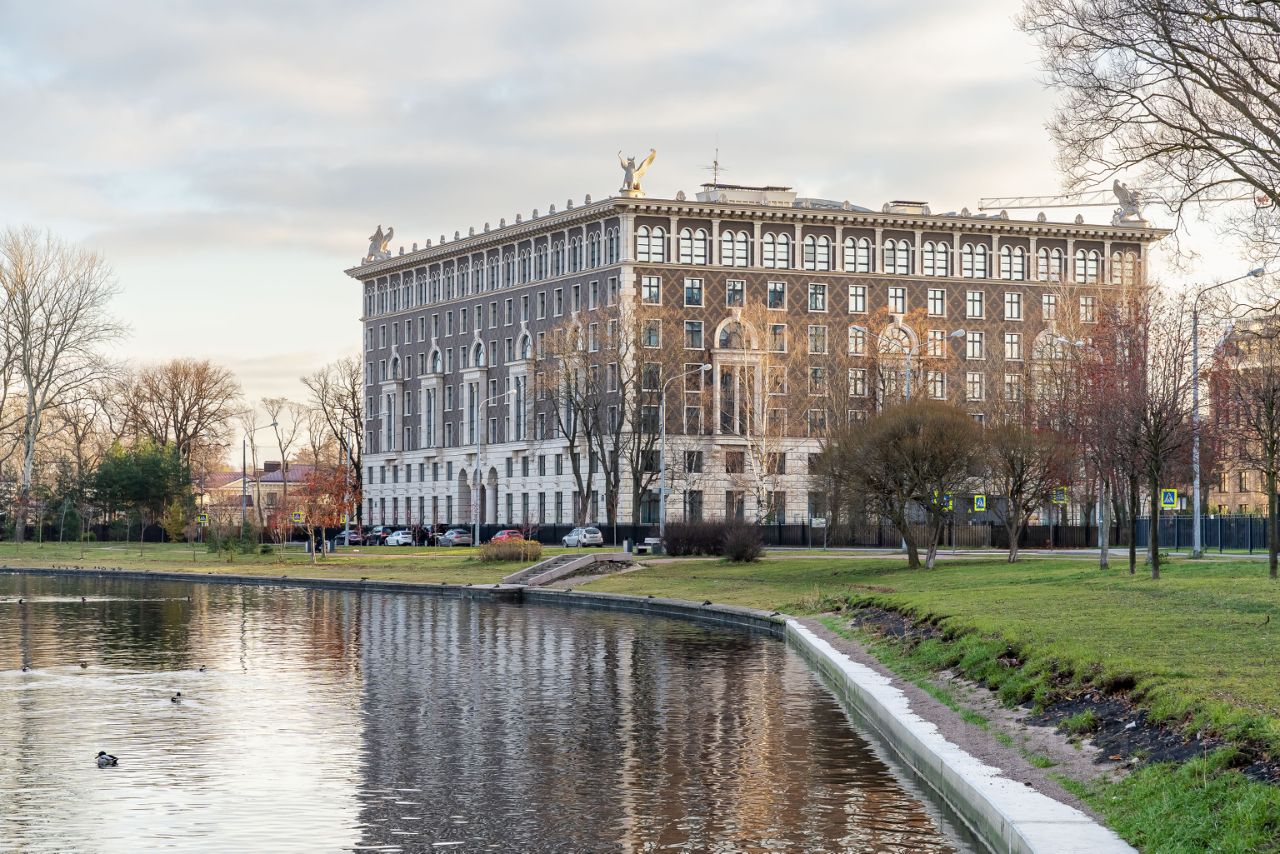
[
  {"x": 583, "y": 537},
  {"x": 399, "y": 538},
  {"x": 348, "y": 538},
  {"x": 510, "y": 535},
  {"x": 454, "y": 537}
]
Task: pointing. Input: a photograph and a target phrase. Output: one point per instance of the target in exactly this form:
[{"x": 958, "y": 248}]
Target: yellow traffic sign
[
  {"x": 202, "y": 519},
  {"x": 979, "y": 503},
  {"x": 297, "y": 517},
  {"x": 1060, "y": 495},
  {"x": 1168, "y": 499}
]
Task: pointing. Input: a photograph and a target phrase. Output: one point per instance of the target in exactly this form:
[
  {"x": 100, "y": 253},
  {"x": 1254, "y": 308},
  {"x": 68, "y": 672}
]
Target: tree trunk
[
  {"x": 1153, "y": 541},
  {"x": 1013, "y": 525},
  {"x": 908, "y": 538},
  {"x": 1133, "y": 522},
  {"x": 931, "y": 552},
  {"x": 142, "y": 532},
  {"x": 1104, "y": 526}
]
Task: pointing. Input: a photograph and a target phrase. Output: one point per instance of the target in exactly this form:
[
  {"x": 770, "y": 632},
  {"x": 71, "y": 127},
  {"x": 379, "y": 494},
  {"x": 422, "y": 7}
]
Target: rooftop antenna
[{"x": 715, "y": 169}]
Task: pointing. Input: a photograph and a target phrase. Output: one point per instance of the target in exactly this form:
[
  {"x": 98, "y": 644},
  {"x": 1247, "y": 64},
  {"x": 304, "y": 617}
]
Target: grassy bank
[
  {"x": 384, "y": 563},
  {"x": 1197, "y": 649}
]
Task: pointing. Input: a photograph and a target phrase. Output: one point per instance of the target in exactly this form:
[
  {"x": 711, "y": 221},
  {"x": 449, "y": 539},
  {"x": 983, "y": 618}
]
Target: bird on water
[
  {"x": 176, "y": 698},
  {"x": 106, "y": 760}
]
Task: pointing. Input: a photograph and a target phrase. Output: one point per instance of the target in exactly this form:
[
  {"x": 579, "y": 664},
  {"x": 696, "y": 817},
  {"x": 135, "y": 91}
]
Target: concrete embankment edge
[{"x": 1006, "y": 815}]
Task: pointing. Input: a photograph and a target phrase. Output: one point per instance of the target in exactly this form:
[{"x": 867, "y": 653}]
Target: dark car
[
  {"x": 348, "y": 538},
  {"x": 454, "y": 537}
]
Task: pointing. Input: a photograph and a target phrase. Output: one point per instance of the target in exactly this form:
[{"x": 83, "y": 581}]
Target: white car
[
  {"x": 583, "y": 537},
  {"x": 399, "y": 538}
]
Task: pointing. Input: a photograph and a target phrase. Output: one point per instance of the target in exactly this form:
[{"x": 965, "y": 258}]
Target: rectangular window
[
  {"x": 777, "y": 295},
  {"x": 777, "y": 379},
  {"x": 693, "y": 505},
  {"x": 778, "y": 337},
  {"x": 973, "y": 304},
  {"x": 936, "y": 382},
  {"x": 542, "y": 305},
  {"x": 651, "y": 333},
  {"x": 693, "y": 334},
  {"x": 857, "y": 341},
  {"x": 897, "y": 300},
  {"x": 1013, "y": 387},
  {"x": 937, "y": 302},
  {"x": 693, "y": 292},
  {"x": 1088, "y": 309},
  {"x": 1012, "y": 305},
  {"x": 973, "y": 386},
  {"x": 735, "y": 462},
  {"x": 857, "y": 382},
  {"x": 817, "y": 296},
  {"x": 817, "y": 340},
  {"x": 1013, "y": 346},
  {"x": 733, "y": 292},
  {"x": 693, "y": 462},
  {"x": 651, "y": 289},
  {"x": 558, "y": 302},
  {"x": 974, "y": 345},
  {"x": 1049, "y": 306},
  {"x": 693, "y": 420},
  {"x": 817, "y": 380},
  {"x": 936, "y": 344},
  {"x": 858, "y": 299},
  {"x": 650, "y": 376}
]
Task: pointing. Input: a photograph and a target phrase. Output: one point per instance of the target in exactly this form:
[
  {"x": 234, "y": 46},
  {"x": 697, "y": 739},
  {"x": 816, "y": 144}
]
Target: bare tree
[
  {"x": 1024, "y": 466},
  {"x": 337, "y": 393},
  {"x": 1249, "y": 375},
  {"x": 55, "y": 326},
  {"x": 288, "y": 420},
  {"x": 1164, "y": 401},
  {"x": 572, "y": 396},
  {"x": 183, "y": 402},
  {"x": 1187, "y": 91}
]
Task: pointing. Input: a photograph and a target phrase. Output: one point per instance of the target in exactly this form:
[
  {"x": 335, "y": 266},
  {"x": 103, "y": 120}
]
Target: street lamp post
[
  {"x": 662, "y": 448},
  {"x": 244, "y": 472},
  {"x": 475, "y": 487},
  {"x": 1197, "y": 547}
]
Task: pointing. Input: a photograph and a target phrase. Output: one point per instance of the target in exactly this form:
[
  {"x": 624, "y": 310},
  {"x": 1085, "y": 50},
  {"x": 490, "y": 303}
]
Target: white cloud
[{"x": 231, "y": 158}]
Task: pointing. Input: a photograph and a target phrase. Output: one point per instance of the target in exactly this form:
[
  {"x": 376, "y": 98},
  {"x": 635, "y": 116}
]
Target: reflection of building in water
[{"x": 550, "y": 730}]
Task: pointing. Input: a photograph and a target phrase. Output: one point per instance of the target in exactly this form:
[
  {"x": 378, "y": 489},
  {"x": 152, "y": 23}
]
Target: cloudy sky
[{"x": 231, "y": 158}]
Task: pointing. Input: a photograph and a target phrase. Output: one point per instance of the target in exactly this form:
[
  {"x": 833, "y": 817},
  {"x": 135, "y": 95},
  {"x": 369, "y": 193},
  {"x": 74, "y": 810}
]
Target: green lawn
[
  {"x": 384, "y": 563},
  {"x": 1197, "y": 644}
]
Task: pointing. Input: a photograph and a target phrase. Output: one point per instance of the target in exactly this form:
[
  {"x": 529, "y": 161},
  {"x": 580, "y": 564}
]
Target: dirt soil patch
[{"x": 1124, "y": 733}]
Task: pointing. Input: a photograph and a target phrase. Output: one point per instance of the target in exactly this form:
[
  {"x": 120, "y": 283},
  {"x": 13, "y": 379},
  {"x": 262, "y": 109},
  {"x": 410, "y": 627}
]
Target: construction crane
[{"x": 1131, "y": 200}]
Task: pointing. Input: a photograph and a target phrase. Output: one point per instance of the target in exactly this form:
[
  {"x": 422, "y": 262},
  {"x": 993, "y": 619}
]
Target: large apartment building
[{"x": 808, "y": 311}]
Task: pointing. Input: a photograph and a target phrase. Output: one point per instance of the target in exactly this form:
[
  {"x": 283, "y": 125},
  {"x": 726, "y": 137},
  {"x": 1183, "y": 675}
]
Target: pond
[{"x": 332, "y": 720}]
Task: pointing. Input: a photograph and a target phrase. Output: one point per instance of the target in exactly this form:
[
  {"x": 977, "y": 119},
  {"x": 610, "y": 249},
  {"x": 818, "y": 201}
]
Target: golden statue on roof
[{"x": 631, "y": 174}]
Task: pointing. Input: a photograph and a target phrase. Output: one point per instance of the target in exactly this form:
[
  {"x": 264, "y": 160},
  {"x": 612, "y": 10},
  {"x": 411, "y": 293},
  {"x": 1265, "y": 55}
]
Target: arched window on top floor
[
  {"x": 694, "y": 246},
  {"x": 975, "y": 261},
  {"x": 775, "y": 252},
  {"x": 937, "y": 258},
  {"x": 1087, "y": 265},
  {"x": 897, "y": 257},
  {"x": 540, "y": 262},
  {"x": 858, "y": 257},
  {"x": 735, "y": 249},
  {"x": 557, "y": 258},
  {"x": 1124, "y": 268},
  {"x": 1013, "y": 263},
  {"x": 817, "y": 252},
  {"x": 651, "y": 244}
]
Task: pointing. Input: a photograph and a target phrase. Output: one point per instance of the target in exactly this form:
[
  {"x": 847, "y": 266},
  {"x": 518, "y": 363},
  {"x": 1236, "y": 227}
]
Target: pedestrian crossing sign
[
  {"x": 979, "y": 503},
  {"x": 297, "y": 517},
  {"x": 1168, "y": 499},
  {"x": 202, "y": 519},
  {"x": 1060, "y": 495}
]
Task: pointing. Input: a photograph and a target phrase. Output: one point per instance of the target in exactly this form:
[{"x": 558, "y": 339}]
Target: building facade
[{"x": 808, "y": 312}]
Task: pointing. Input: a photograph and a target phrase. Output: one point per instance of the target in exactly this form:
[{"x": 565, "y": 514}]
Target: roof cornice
[{"x": 816, "y": 216}]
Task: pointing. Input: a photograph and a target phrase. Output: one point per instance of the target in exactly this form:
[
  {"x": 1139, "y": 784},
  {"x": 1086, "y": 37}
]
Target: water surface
[{"x": 350, "y": 721}]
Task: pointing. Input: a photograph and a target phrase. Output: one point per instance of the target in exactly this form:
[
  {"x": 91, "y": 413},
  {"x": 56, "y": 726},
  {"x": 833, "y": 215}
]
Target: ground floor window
[
  {"x": 735, "y": 505},
  {"x": 693, "y": 505}
]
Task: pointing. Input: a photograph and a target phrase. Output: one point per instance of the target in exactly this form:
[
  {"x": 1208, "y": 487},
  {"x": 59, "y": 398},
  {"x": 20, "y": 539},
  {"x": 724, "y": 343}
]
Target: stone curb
[
  {"x": 1003, "y": 814},
  {"x": 1008, "y": 816}
]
